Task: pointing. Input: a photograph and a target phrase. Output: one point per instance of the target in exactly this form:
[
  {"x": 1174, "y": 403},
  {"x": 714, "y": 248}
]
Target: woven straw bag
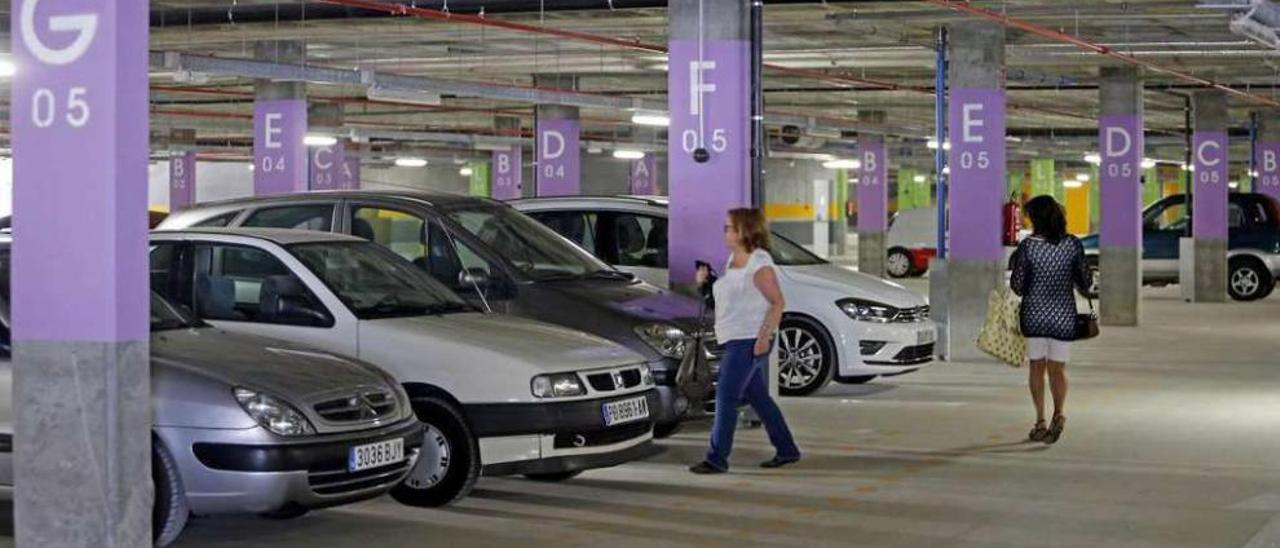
[{"x": 1001, "y": 335}]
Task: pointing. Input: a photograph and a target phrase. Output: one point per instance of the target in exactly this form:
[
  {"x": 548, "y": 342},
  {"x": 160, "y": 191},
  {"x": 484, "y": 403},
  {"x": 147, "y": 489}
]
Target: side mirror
[
  {"x": 474, "y": 277},
  {"x": 295, "y": 310}
]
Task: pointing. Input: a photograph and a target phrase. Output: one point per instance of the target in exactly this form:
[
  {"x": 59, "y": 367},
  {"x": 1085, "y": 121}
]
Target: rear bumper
[{"x": 225, "y": 471}]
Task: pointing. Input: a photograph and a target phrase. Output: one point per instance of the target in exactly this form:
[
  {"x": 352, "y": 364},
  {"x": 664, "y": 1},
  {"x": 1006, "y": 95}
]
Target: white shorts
[{"x": 1054, "y": 350}]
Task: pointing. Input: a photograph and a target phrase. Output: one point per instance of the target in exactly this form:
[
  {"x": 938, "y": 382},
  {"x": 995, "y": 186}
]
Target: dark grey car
[{"x": 497, "y": 257}]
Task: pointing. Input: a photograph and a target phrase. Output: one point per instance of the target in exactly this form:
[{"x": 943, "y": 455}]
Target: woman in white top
[{"x": 748, "y": 309}]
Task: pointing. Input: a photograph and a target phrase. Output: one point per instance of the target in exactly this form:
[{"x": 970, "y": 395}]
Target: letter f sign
[{"x": 697, "y": 87}]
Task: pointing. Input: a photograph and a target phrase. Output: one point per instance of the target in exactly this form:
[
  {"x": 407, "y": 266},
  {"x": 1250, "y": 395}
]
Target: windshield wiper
[{"x": 611, "y": 275}]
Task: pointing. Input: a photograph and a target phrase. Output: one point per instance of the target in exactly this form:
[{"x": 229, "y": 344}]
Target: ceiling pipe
[{"x": 1099, "y": 49}]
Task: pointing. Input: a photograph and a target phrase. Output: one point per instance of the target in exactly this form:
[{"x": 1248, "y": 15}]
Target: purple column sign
[
  {"x": 350, "y": 179},
  {"x": 182, "y": 181},
  {"x": 1120, "y": 180},
  {"x": 559, "y": 158},
  {"x": 644, "y": 175},
  {"x": 977, "y": 161},
  {"x": 507, "y": 172},
  {"x": 80, "y": 146},
  {"x": 1209, "y": 201},
  {"x": 1268, "y": 155},
  {"x": 873, "y": 192},
  {"x": 710, "y": 110},
  {"x": 327, "y": 166},
  {"x": 279, "y": 155}
]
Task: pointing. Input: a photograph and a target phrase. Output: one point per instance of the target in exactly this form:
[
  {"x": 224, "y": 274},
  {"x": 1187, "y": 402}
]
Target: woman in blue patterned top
[{"x": 1048, "y": 267}]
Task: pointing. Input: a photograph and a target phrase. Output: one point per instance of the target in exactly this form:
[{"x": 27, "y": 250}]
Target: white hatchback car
[
  {"x": 839, "y": 324},
  {"x": 500, "y": 395}
]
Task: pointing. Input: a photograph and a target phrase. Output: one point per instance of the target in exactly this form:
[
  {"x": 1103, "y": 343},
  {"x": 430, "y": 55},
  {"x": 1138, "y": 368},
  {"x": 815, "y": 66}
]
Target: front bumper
[
  {"x": 888, "y": 349},
  {"x": 252, "y": 471},
  {"x": 522, "y": 438}
]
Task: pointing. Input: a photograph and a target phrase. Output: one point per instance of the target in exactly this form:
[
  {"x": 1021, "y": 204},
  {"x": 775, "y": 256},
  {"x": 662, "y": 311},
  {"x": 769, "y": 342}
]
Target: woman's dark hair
[{"x": 1048, "y": 219}]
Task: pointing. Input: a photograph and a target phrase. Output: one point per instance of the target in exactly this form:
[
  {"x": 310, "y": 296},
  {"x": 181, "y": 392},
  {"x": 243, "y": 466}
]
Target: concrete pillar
[
  {"x": 873, "y": 198},
  {"x": 976, "y": 125},
  {"x": 182, "y": 169},
  {"x": 1268, "y": 154},
  {"x": 1207, "y": 260},
  {"x": 709, "y": 158},
  {"x": 79, "y": 298},
  {"x": 557, "y": 137},
  {"x": 327, "y": 165},
  {"x": 1120, "y": 141},
  {"x": 506, "y": 166},
  {"x": 279, "y": 125}
]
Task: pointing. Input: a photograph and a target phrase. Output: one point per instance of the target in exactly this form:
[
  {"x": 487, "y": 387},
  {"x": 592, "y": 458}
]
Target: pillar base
[
  {"x": 871, "y": 253},
  {"x": 1120, "y": 298},
  {"x": 83, "y": 444},
  {"x": 958, "y": 292},
  {"x": 1203, "y": 270}
]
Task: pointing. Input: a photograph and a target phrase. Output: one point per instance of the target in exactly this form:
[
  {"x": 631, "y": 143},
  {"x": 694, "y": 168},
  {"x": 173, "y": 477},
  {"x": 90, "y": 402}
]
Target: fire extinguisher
[{"x": 1012, "y": 220}]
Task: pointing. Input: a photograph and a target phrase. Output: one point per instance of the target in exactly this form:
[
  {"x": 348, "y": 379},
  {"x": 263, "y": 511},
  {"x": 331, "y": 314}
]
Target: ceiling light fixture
[
  {"x": 465, "y": 172},
  {"x": 1093, "y": 158},
  {"x": 7, "y": 68},
  {"x": 650, "y": 119},
  {"x": 919, "y": 178},
  {"x": 933, "y": 144},
  {"x": 403, "y": 96},
  {"x": 411, "y": 162},
  {"x": 628, "y": 154},
  {"x": 842, "y": 164},
  {"x": 1082, "y": 177},
  {"x": 319, "y": 140},
  {"x": 1072, "y": 184},
  {"x": 1148, "y": 163}
]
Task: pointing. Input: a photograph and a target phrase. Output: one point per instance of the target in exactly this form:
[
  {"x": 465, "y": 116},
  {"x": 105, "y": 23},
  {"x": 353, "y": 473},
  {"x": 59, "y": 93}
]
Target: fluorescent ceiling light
[
  {"x": 251, "y": 167},
  {"x": 650, "y": 119},
  {"x": 594, "y": 150},
  {"x": 628, "y": 154},
  {"x": 402, "y": 96},
  {"x": 1148, "y": 163},
  {"x": 933, "y": 144},
  {"x": 411, "y": 162},
  {"x": 1234, "y": 185},
  {"x": 7, "y": 68},
  {"x": 318, "y": 140},
  {"x": 1072, "y": 184},
  {"x": 842, "y": 164},
  {"x": 1093, "y": 158},
  {"x": 1082, "y": 177},
  {"x": 465, "y": 172},
  {"x": 919, "y": 178}
]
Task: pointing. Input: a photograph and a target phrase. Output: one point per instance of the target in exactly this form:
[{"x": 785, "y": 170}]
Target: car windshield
[
  {"x": 376, "y": 283},
  {"x": 788, "y": 253},
  {"x": 530, "y": 246}
]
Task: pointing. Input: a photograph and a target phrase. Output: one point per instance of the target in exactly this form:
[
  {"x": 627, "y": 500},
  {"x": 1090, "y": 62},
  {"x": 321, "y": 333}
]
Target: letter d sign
[{"x": 1116, "y": 135}]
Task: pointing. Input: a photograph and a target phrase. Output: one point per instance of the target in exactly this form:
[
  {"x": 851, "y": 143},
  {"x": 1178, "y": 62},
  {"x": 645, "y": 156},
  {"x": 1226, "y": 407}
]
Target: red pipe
[{"x": 1100, "y": 49}]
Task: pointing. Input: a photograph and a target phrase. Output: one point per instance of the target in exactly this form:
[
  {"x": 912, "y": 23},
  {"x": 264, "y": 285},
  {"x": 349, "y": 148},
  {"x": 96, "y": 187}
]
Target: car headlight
[
  {"x": 867, "y": 311},
  {"x": 646, "y": 376},
  {"x": 273, "y": 413},
  {"x": 560, "y": 385},
  {"x": 667, "y": 340}
]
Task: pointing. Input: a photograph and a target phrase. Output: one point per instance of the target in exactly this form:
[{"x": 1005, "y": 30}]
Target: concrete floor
[{"x": 1172, "y": 442}]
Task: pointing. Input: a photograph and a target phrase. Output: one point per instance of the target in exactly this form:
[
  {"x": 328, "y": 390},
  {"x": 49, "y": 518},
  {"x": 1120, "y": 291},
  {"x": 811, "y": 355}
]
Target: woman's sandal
[
  {"x": 1055, "y": 429},
  {"x": 1039, "y": 432}
]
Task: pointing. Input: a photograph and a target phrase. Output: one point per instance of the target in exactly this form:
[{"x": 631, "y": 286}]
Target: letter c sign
[{"x": 85, "y": 25}]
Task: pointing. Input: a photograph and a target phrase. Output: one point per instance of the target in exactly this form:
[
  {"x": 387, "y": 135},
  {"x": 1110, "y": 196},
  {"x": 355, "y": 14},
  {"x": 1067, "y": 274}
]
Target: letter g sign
[{"x": 85, "y": 25}]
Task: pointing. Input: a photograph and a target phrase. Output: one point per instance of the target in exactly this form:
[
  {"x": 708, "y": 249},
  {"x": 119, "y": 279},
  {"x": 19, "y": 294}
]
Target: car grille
[
  {"x": 337, "y": 482},
  {"x": 912, "y": 315},
  {"x": 362, "y": 406},
  {"x": 607, "y": 436},
  {"x": 915, "y": 354},
  {"x": 614, "y": 380}
]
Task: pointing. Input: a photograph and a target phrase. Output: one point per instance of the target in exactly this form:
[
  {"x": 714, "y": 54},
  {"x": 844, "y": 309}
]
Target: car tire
[
  {"x": 554, "y": 476},
  {"x": 169, "y": 512},
  {"x": 666, "y": 429},
  {"x": 448, "y": 462},
  {"x": 1248, "y": 279},
  {"x": 1095, "y": 279},
  {"x": 861, "y": 379},
  {"x": 898, "y": 263},
  {"x": 806, "y": 357}
]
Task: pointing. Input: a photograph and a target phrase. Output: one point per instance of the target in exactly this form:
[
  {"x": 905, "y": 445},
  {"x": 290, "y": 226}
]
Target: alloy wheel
[
  {"x": 433, "y": 460},
  {"x": 800, "y": 358},
  {"x": 1245, "y": 281},
  {"x": 898, "y": 265}
]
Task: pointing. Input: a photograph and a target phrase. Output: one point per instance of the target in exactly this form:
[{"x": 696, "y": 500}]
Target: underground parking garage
[{"x": 688, "y": 273}]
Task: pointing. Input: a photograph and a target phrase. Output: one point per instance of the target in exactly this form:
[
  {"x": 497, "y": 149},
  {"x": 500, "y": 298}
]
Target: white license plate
[
  {"x": 374, "y": 455},
  {"x": 926, "y": 336},
  {"x": 618, "y": 412}
]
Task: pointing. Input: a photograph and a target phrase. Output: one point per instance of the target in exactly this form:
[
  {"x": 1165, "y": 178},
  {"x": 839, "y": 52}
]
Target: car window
[
  {"x": 578, "y": 226},
  {"x": 788, "y": 253},
  {"x": 318, "y": 217},
  {"x": 375, "y": 283},
  {"x": 403, "y": 233},
  {"x": 240, "y": 283},
  {"x": 1247, "y": 214},
  {"x": 217, "y": 222},
  {"x": 1172, "y": 217},
  {"x": 526, "y": 244},
  {"x": 639, "y": 240},
  {"x": 164, "y": 278}
]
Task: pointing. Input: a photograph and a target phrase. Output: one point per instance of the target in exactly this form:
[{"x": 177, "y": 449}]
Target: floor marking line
[{"x": 1268, "y": 537}]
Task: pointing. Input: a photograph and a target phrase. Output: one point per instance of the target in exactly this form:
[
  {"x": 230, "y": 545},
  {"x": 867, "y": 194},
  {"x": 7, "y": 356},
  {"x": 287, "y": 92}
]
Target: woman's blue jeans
[{"x": 742, "y": 379}]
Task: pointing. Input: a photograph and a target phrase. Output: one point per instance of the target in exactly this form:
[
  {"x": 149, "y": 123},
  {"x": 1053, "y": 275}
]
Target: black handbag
[
  {"x": 1087, "y": 324},
  {"x": 694, "y": 379}
]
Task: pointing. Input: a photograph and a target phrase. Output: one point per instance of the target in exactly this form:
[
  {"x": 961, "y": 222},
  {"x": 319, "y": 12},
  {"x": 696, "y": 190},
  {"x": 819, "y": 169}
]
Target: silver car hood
[
  {"x": 848, "y": 282},
  {"x": 282, "y": 369}
]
